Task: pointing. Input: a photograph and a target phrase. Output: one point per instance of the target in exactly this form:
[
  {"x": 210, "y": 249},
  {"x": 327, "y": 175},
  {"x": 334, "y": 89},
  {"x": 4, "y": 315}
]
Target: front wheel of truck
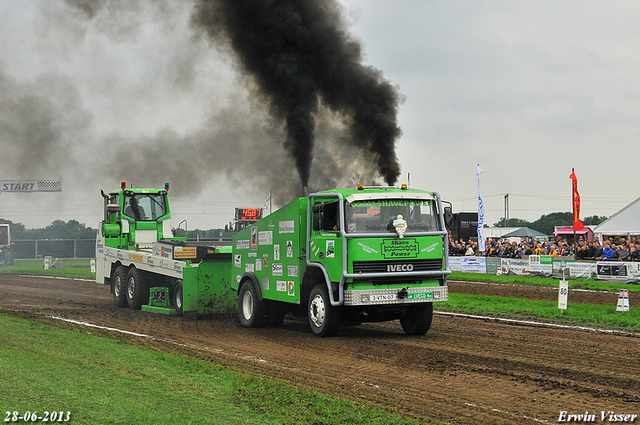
[
  {"x": 417, "y": 319},
  {"x": 252, "y": 311},
  {"x": 324, "y": 319}
]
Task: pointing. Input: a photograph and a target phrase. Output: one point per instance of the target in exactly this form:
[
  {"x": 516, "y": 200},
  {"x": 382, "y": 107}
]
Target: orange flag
[{"x": 577, "y": 224}]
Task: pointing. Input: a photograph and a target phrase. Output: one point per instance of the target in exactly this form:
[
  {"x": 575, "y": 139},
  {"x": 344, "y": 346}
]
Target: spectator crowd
[{"x": 624, "y": 250}]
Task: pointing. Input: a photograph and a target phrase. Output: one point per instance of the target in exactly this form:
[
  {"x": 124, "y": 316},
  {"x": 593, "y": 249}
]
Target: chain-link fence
[{"x": 56, "y": 248}]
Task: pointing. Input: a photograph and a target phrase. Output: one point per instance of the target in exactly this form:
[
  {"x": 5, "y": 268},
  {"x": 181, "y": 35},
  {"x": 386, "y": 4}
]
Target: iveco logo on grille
[{"x": 399, "y": 267}]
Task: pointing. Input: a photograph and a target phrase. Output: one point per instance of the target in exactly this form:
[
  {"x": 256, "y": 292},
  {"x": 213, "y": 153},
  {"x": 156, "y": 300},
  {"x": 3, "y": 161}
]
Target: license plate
[
  {"x": 420, "y": 296},
  {"x": 386, "y": 297}
]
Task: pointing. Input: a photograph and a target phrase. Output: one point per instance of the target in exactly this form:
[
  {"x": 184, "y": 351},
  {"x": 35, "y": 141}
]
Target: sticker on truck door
[{"x": 331, "y": 249}]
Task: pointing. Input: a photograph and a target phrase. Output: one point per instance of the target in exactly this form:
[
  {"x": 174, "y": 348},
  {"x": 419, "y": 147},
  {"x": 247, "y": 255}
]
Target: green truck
[{"x": 342, "y": 256}]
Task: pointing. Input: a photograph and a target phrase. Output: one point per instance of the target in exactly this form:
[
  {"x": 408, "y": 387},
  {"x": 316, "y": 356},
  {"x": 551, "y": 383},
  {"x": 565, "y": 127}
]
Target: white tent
[{"x": 625, "y": 222}]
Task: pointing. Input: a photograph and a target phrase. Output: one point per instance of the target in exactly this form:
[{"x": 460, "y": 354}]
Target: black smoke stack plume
[{"x": 301, "y": 56}]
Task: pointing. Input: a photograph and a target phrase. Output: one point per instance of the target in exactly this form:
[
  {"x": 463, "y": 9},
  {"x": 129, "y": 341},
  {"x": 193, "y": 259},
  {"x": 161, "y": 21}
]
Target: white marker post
[
  {"x": 623, "y": 300},
  {"x": 563, "y": 295}
]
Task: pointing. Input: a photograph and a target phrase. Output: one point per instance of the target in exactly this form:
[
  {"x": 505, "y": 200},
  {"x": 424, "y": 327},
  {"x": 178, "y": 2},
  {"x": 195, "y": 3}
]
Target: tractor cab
[{"x": 136, "y": 218}]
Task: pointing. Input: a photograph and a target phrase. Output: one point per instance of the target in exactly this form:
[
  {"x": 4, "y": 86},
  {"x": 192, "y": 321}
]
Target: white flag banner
[
  {"x": 30, "y": 186},
  {"x": 481, "y": 246}
]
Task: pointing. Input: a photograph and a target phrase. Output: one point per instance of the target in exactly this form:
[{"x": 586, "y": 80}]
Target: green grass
[
  {"x": 78, "y": 268},
  {"x": 97, "y": 380},
  {"x": 599, "y": 316}
]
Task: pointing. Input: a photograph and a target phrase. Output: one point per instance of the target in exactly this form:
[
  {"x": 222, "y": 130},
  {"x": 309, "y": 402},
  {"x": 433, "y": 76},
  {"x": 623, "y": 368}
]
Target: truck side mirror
[{"x": 448, "y": 216}]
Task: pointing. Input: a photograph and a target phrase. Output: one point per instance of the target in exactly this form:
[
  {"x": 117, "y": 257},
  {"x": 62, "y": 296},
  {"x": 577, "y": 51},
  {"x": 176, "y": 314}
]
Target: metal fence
[{"x": 57, "y": 248}]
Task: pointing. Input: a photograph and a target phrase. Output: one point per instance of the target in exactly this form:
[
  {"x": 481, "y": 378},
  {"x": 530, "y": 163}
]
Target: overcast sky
[{"x": 97, "y": 93}]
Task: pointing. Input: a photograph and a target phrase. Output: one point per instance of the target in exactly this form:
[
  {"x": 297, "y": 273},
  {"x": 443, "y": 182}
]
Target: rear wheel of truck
[
  {"x": 417, "y": 319},
  {"x": 252, "y": 311},
  {"x": 177, "y": 296},
  {"x": 120, "y": 286},
  {"x": 137, "y": 289},
  {"x": 324, "y": 319}
]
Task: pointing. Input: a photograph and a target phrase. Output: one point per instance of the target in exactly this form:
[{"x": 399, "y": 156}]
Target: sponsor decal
[
  {"x": 430, "y": 248},
  {"x": 242, "y": 244},
  {"x": 265, "y": 238},
  {"x": 136, "y": 257},
  {"x": 367, "y": 248},
  {"x": 184, "y": 252},
  {"x": 265, "y": 283},
  {"x": 276, "y": 253},
  {"x": 291, "y": 288},
  {"x": 289, "y": 249},
  {"x": 400, "y": 248},
  {"x": 281, "y": 286},
  {"x": 331, "y": 249},
  {"x": 276, "y": 269},
  {"x": 292, "y": 271},
  {"x": 249, "y": 268},
  {"x": 253, "y": 242},
  {"x": 258, "y": 265},
  {"x": 286, "y": 226},
  {"x": 265, "y": 260},
  {"x": 237, "y": 260}
]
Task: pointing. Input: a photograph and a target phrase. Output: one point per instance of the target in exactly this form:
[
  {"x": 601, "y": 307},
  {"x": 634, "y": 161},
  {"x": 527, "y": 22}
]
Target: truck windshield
[
  {"x": 145, "y": 206},
  {"x": 374, "y": 216}
]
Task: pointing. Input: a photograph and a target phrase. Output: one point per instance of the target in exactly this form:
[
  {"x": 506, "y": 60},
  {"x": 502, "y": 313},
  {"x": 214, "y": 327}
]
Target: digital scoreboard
[{"x": 248, "y": 214}]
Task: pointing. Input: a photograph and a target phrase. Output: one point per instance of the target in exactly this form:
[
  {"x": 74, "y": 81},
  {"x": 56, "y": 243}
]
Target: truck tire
[
  {"x": 178, "y": 297},
  {"x": 417, "y": 320},
  {"x": 324, "y": 319},
  {"x": 120, "y": 286},
  {"x": 137, "y": 289},
  {"x": 252, "y": 312}
]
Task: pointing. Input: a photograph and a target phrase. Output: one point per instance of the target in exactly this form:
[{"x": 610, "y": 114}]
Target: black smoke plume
[{"x": 302, "y": 57}]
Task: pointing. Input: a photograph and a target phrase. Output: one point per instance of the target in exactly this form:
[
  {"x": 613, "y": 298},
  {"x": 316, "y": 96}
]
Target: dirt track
[{"x": 463, "y": 371}]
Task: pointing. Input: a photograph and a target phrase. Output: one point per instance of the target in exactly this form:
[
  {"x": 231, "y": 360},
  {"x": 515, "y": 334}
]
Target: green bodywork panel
[
  {"x": 272, "y": 250},
  {"x": 207, "y": 287}
]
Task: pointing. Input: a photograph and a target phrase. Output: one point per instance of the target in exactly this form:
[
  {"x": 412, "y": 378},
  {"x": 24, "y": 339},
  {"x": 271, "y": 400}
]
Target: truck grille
[{"x": 396, "y": 266}]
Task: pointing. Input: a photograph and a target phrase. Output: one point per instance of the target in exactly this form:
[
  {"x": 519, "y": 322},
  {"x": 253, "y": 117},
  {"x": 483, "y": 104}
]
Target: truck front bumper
[{"x": 393, "y": 296}]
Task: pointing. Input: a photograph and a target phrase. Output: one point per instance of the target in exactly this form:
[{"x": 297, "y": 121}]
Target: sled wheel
[{"x": 178, "y": 297}]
